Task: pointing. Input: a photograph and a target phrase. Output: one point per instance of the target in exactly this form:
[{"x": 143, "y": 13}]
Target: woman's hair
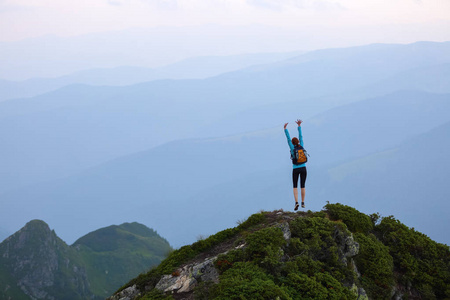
[{"x": 295, "y": 141}]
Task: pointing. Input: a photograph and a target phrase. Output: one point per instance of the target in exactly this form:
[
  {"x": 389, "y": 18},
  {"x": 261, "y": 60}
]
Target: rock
[
  {"x": 188, "y": 285},
  {"x": 396, "y": 293},
  {"x": 127, "y": 294},
  {"x": 354, "y": 267},
  {"x": 169, "y": 283},
  {"x": 285, "y": 229},
  {"x": 359, "y": 292},
  {"x": 206, "y": 271},
  {"x": 189, "y": 276},
  {"x": 238, "y": 247},
  {"x": 348, "y": 247},
  {"x": 362, "y": 295}
]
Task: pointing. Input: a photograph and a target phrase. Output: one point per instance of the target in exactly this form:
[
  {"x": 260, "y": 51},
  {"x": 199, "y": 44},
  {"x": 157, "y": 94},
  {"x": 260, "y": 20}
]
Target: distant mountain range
[
  {"x": 36, "y": 264},
  {"x": 78, "y": 126},
  {"x": 192, "y": 68},
  {"x": 172, "y": 151},
  {"x": 219, "y": 174}
]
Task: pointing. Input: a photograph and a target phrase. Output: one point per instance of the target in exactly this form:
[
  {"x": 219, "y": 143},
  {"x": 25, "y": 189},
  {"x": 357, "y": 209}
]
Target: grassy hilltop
[{"x": 337, "y": 253}]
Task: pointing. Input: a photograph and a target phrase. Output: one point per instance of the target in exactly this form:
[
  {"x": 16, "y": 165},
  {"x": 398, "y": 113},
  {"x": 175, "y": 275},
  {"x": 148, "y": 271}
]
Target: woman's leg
[
  {"x": 295, "y": 175},
  {"x": 303, "y": 175}
]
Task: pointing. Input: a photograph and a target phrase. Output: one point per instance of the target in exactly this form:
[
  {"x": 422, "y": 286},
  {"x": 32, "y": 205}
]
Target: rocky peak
[
  {"x": 36, "y": 264},
  {"x": 35, "y": 233},
  {"x": 38, "y": 261},
  {"x": 272, "y": 243}
]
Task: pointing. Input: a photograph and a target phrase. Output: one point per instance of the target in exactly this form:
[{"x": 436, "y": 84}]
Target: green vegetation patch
[
  {"x": 376, "y": 266},
  {"x": 315, "y": 263},
  {"x": 245, "y": 280},
  {"x": 355, "y": 220},
  {"x": 419, "y": 261},
  {"x": 186, "y": 253}
]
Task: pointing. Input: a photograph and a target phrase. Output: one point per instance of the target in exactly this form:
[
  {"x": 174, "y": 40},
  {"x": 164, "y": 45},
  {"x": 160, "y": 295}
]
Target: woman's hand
[
  {"x": 285, "y": 125},
  {"x": 299, "y": 122}
]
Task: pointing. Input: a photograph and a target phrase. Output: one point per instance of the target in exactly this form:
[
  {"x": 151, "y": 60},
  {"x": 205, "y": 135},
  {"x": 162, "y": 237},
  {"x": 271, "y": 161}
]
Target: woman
[{"x": 299, "y": 169}]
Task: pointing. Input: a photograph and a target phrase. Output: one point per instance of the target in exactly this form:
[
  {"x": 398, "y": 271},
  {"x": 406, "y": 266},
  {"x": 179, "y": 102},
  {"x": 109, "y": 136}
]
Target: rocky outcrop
[
  {"x": 359, "y": 292},
  {"x": 285, "y": 229},
  {"x": 348, "y": 247},
  {"x": 185, "y": 279},
  {"x": 127, "y": 294}
]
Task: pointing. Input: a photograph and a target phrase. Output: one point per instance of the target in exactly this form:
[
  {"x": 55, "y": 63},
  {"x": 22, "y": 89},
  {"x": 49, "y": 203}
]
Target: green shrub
[
  {"x": 318, "y": 238},
  {"x": 213, "y": 240},
  {"x": 355, "y": 220},
  {"x": 315, "y": 236},
  {"x": 307, "y": 287},
  {"x": 245, "y": 280},
  {"x": 253, "y": 220},
  {"x": 297, "y": 247},
  {"x": 204, "y": 290},
  {"x": 156, "y": 295},
  {"x": 322, "y": 286},
  {"x": 226, "y": 261},
  {"x": 264, "y": 247},
  {"x": 418, "y": 260},
  {"x": 375, "y": 265}
]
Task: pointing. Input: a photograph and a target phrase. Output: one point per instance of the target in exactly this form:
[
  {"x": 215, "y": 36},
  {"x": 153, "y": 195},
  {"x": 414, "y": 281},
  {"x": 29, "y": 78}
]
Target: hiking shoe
[
  {"x": 303, "y": 204},
  {"x": 296, "y": 206}
]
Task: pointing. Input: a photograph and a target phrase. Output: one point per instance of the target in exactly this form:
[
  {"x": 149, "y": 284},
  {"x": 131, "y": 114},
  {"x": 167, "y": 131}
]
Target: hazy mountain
[
  {"x": 433, "y": 79},
  {"x": 36, "y": 264},
  {"x": 53, "y": 56},
  {"x": 404, "y": 55},
  {"x": 334, "y": 71},
  {"x": 408, "y": 180},
  {"x": 179, "y": 178},
  {"x": 415, "y": 172},
  {"x": 79, "y": 126},
  {"x": 197, "y": 67}
]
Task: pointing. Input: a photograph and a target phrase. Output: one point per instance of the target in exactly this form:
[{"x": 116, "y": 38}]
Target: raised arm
[
  {"x": 300, "y": 137},
  {"x": 286, "y": 132}
]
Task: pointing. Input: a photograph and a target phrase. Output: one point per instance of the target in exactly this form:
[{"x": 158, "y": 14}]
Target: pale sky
[{"x": 21, "y": 19}]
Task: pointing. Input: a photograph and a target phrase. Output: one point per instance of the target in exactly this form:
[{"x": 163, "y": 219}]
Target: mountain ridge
[
  {"x": 36, "y": 263},
  {"x": 107, "y": 122},
  {"x": 147, "y": 178},
  {"x": 207, "y": 66},
  {"x": 335, "y": 253}
]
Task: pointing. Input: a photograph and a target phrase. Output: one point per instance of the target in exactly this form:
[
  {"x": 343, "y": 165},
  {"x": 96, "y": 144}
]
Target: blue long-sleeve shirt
[{"x": 291, "y": 146}]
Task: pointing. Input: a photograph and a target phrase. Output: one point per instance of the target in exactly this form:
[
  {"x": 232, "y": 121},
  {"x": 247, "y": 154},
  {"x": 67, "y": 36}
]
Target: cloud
[
  {"x": 267, "y": 4},
  {"x": 114, "y": 3},
  {"x": 157, "y": 4},
  {"x": 6, "y": 8},
  {"x": 280, "y": 5},
  {"x": 327, "y": 5},
  {"x": 164, "y": 4}
]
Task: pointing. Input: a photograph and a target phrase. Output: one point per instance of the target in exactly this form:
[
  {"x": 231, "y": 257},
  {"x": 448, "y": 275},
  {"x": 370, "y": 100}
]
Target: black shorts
[{"x": 296, "y": 173}]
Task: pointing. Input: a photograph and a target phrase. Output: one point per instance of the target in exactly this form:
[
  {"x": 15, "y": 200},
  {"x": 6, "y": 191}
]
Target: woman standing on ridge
[{"x": 299, "y": 169}]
